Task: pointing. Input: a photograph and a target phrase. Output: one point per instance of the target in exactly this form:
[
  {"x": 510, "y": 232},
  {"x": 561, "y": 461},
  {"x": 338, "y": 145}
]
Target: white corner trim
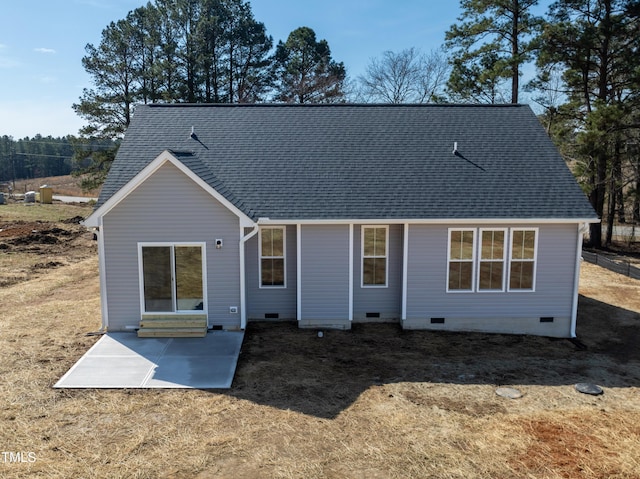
[{"x": 147, "y": 172}]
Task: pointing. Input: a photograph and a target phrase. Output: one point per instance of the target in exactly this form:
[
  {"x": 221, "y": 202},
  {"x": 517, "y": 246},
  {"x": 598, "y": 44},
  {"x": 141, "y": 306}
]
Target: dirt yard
[
  {"x": 35, "y": 238},
  {"x": 374, "y": 402},
  {"x": 62, "y": 185}
]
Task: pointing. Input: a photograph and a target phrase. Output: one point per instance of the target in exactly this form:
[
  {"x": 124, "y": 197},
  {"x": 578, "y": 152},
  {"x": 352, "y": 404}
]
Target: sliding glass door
[{"x": 172, "y": 277}]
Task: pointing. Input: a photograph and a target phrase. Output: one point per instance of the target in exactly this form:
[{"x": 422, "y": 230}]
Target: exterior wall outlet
[
  {"x": 219, "y": 243},
  {"x": 233, "y": 309}
]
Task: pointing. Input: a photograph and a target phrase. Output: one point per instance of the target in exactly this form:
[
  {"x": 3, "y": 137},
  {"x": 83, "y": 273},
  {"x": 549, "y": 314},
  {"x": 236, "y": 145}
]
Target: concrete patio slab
[{"x": 122, "y": 360}]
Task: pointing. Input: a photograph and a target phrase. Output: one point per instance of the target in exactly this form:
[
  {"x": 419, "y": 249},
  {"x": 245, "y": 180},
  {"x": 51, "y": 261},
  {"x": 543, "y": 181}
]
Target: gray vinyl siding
[
  {"x": 325, "y": 273},
  {"x": 388, "y": 300},
  {"x": 271, "y": 300},
  {"x": 170, "y": 207},
  {"x": 500, "y": 312}
]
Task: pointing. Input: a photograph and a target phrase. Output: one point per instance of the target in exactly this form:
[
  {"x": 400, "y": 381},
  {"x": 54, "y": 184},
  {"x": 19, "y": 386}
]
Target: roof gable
[
  {"x": 187, "y": 165},
  {"x": 337, "y": 162}
]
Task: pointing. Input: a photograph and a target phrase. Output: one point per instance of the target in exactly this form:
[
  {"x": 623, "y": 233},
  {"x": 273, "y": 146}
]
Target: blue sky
[{"x": 42, "y": 44}]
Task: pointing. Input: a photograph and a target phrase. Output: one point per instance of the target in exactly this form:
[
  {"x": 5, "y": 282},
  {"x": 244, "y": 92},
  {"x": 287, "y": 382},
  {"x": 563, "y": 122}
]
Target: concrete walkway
[{"x": 122, "y": 360}]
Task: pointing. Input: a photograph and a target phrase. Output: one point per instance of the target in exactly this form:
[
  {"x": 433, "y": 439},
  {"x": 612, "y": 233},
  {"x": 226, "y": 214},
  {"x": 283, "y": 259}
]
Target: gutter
[
  {"x": 427, "y": 221},
  {"x": 582, "y": 229}
]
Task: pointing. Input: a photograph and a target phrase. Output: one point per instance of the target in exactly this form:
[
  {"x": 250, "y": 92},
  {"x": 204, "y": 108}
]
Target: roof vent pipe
[
  {"x": 193, "y": 132},
  {"x": 455, "y": 147}
]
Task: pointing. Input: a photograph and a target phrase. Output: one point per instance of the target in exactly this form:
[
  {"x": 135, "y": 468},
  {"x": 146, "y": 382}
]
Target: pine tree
[
  {"x": 491, "y": 42},
  {"x": 305, "y": 72},
  {"x": 595, "y": 43}
]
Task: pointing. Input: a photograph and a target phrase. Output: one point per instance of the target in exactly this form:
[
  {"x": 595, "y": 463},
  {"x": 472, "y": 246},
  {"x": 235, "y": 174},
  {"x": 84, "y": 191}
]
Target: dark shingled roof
[{"x": 361, "y": 161}]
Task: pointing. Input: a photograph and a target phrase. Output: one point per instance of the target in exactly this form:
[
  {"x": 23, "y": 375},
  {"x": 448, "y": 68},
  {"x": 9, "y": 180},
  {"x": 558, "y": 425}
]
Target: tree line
[
  {"x": 586, "y": 83},
  {"x": 34, "y": 157},
  {"x": 44, "y": 156},
  {"x": 211, "y": 51}
]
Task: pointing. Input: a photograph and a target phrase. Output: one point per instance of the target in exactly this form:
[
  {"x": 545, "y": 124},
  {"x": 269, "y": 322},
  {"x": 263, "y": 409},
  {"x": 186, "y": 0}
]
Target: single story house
[{"x": 448, "y": 217}]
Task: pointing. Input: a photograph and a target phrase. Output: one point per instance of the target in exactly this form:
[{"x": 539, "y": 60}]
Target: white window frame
[
  {"x": 386, "y": 256},
  {"x": 172, "y": 245},
  {"x": 505, "y": 247},
  {"x": 473, "y": 260},
  {"x": 283, "y": 257},
  {"x": 534, "y": 260}
]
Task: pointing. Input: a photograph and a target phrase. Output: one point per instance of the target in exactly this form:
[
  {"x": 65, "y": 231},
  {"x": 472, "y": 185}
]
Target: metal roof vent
[
  {"x": 455, "y": 148},
  {"x": 193, "y": 133}
]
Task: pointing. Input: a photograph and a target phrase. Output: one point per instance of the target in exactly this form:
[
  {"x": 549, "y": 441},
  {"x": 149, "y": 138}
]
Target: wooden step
[
  {"x": 173, "y": 326},
  {"x": 172, "y": 333},
  {"x": 152, "y": 316},
  {"x": 173, "y": 322}
]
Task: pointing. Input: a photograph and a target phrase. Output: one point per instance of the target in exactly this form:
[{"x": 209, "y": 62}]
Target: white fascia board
[
  {"x": 150, "y": 169},
  {"x": 428, "y": 221}
]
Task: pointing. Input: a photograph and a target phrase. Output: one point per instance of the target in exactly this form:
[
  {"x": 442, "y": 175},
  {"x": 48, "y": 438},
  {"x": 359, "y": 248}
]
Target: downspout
[
  {"x": 102, "y": 272},
  {"x": 405, "y": 272},
  {"x": 350, "y": 313},
  {"x": 243, "y": 299},
  {"x": 298, "y": 272},
  {"x": 582, "y": 229}
]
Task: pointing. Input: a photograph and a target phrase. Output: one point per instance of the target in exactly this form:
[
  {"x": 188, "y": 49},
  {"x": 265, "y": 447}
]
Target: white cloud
[{"x": 44, "y": 50}]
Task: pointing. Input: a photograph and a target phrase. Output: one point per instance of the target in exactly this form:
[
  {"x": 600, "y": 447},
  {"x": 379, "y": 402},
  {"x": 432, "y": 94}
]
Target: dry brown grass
[
  {"x": 374, "y": 402},
  {"x": 62, "y": 185}
]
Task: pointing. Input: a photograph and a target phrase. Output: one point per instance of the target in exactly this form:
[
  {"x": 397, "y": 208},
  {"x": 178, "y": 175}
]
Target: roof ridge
[{"x": 335, "y": 105}]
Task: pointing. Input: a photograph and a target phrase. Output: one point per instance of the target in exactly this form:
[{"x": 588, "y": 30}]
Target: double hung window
[
  {"x": 374, "y": 255},
  {"x": 492, "y": 259},
  {"x": 522, "y": 261},
  {"x": 462, "y": 249},
  {"x": 272, "y": 264}
]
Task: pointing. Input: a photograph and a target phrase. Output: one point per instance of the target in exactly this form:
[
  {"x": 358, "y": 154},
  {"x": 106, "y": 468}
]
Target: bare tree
[{"x": 405, "y": 77}]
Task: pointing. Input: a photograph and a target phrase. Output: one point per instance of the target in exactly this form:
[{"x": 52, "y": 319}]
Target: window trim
[
  {"x": 505, "y": 255},
  {"x": 477, "y": 246},
  {"x": 174, "y": 299},
  {"x": 472, "y": 260},
  {"x": 283, "y": 257},
  {"x": 536, "y": 230},
  {"x": 386, "y": 256}
]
